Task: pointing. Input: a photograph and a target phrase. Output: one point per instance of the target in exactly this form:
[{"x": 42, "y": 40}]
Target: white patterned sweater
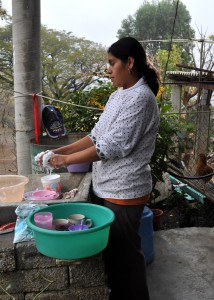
[{"x": 125, "y": 139}]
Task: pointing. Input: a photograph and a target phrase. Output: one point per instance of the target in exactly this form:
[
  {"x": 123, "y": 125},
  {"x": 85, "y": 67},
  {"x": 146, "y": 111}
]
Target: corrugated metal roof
[{"x": 191, "y": 74}]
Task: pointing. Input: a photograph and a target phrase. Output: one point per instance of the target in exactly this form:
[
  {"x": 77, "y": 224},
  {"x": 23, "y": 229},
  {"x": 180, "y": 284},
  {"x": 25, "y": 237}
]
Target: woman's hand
[{"x": 58, "y": 161}]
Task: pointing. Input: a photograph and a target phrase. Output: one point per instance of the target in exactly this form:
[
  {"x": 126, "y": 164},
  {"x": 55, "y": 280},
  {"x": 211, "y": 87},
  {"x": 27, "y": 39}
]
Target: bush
[
  {"x": 165, "y": 146},
  {"x": 82, "y": 113}
]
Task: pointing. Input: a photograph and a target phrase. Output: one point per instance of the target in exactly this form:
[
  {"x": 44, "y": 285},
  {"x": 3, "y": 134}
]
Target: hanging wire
[
  {"x": 171, "y": 40},
  {"x": 190, "y": 177},
  {"x": 191, "y": 40},
  {"x": 70, "y": 103},
  {"x": 20, "y": 94}
]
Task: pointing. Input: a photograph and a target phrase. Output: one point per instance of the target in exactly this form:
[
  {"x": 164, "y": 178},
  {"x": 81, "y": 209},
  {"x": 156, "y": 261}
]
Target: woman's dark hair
[{"x": 129, "y": 46}]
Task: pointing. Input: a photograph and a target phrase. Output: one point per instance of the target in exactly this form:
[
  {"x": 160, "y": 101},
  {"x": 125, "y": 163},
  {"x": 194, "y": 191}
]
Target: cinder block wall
[{"x": 25, "y": 274}]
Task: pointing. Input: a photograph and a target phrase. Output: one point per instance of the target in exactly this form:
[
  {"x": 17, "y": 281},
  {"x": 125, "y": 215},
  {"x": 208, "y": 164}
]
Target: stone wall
[{"x": 25, "y": 274}]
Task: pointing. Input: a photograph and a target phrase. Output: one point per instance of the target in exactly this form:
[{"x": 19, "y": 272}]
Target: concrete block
[
  {"x": 35, "y": 280},
  {"x": 27, "y": 257},
  {"x": 7, "y": 253},
  {"x": 15, "y": 296},
  {"x": 95, "y": 293},
  {"x": 89, "y": 273}
]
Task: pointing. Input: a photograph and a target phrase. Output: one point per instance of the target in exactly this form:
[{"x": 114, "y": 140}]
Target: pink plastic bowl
[{"x": 41, "y": 195}]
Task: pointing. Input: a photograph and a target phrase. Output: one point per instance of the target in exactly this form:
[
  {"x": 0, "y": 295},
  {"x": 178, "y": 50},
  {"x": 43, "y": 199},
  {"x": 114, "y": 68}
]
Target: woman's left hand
[{"x": 58, "y": 161}]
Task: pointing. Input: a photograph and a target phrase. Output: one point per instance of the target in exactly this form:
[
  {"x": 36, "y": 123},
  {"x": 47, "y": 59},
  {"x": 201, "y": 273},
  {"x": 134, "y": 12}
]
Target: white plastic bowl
[
  {"x": 12, "y": 188},
  {"x": 51, "y": 182}
]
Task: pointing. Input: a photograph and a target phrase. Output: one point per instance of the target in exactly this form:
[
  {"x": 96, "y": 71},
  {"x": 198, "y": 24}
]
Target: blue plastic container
[{"x": 147, "y": 235}]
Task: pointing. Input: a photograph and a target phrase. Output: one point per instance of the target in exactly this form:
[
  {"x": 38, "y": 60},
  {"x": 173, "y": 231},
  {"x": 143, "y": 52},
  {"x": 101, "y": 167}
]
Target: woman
[{"x": 120, "y": 146}]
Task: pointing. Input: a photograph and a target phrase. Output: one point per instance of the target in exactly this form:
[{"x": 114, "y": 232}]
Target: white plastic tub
[
  {"x": 12, "y": 188},
  {"x": 52, "y": 183}
]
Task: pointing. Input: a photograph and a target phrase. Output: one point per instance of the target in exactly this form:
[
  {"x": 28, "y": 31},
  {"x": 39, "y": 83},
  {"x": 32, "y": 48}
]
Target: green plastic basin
[{"x": 73, "y": 244}]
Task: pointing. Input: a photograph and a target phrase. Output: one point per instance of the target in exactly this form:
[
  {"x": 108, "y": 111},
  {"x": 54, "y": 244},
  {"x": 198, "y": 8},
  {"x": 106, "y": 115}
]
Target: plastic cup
[
  {"x": 51, "y": 183},
  {"x": 43, "y": 220}
]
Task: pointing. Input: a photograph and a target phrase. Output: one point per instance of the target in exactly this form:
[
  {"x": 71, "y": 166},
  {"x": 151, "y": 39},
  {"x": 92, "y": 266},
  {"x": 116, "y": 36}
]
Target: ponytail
[{"x": 151, "y": 76}]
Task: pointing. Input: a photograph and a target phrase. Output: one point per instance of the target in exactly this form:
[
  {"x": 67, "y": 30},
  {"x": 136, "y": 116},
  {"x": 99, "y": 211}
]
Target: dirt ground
[
  {"x": 179, "y": 213},
  {"x": 7, "y": 152}
]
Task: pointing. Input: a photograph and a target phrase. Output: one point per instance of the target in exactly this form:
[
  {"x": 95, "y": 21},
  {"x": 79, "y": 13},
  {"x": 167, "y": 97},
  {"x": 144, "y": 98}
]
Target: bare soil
[
  {"x": 7, "y": 152},
  {"x": 183, "y": 214}
]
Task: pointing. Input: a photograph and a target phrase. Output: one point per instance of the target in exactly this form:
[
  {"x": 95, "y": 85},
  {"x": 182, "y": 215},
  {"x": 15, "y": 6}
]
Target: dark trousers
[{"x": 123, "y": 257}]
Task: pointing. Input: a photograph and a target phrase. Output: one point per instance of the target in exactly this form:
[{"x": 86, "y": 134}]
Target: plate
[
  {"x": 6, "y": 230},
  {"x": 9, "y": 227},
  {"x": 41, "y": 195}
]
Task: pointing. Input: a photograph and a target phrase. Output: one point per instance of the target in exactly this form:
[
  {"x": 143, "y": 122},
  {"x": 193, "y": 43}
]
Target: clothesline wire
[
  {"x": 69, "y": 103},
  {"x": 56, "y": 100},
  {"x": 90, "y": 107}
]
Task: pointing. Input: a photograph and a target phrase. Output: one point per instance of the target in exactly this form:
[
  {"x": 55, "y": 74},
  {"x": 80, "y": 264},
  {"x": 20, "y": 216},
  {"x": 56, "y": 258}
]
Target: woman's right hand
[{"x": 58, "y": 161}]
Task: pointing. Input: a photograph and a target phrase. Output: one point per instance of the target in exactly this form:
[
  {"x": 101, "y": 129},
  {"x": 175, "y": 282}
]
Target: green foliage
[
  {"x": 154, "y": 20},
  {"x": 165, "y": 60},
  {"x": 128, "y": 27},
  {"x": 165, "y": 145},
  {"x": 83, "y": 119},
  {"x": 68, "y": 63},
  {"x": 3, "y": 13},
  {"x": 6, "y": 57}
]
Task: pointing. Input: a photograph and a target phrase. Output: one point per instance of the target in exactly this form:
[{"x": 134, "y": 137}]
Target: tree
[
  {"x": 163, "y": 61},
  {"x": 5, "y": 70},
  {"x": 174, "y": 58},
  {"x": 154, "y": 21},
  {"x": 6, "y": 57},
  {"x": 203, "y": 52},
  {"x": 68, "y": 63},
  {"x": 3, "y": 13}
]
